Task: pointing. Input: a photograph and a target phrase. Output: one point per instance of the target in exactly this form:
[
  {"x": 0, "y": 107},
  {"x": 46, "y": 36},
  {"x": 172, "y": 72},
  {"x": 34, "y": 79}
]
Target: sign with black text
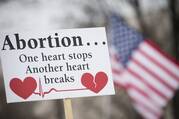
[{"x": 55, "y": 64}]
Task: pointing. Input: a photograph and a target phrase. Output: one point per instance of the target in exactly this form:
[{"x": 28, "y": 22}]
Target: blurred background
[{"x": 156, "y": 19}]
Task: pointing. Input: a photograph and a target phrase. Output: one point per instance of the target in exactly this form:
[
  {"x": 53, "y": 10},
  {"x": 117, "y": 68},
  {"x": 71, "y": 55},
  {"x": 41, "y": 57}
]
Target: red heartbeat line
[{"x": 42, "y": 93}]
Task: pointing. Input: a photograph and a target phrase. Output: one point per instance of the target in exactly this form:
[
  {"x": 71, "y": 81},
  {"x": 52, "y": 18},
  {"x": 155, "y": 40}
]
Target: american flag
[{"x": 148, "y": 74}]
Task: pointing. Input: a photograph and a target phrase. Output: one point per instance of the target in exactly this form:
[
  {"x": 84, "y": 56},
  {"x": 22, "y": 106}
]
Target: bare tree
[{"x": 175, "y": 18}]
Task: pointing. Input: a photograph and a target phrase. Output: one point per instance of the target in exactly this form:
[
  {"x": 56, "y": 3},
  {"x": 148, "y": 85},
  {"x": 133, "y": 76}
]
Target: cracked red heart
[
  {"x": 95, "y": 84},
  {"x": 24, "y": 88}
]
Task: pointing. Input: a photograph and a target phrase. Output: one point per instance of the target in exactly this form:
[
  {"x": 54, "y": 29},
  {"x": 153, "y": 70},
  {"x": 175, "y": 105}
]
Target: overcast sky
[{"x": 55, "y": 14}]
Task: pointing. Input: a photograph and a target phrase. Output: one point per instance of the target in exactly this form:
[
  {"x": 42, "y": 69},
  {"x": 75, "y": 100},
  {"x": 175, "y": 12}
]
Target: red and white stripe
[
  {"x": 151, "y": 78},
  {"x": 117, "y": 68}
]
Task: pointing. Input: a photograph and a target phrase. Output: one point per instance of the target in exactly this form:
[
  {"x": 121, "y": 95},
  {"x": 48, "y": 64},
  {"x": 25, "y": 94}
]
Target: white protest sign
[{"x": 55, "y": 64}]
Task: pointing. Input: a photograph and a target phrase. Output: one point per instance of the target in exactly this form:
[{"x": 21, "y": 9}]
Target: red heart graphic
[
  {"x": 94, "y": 84},
  {"x": 25, "y": 88}
]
